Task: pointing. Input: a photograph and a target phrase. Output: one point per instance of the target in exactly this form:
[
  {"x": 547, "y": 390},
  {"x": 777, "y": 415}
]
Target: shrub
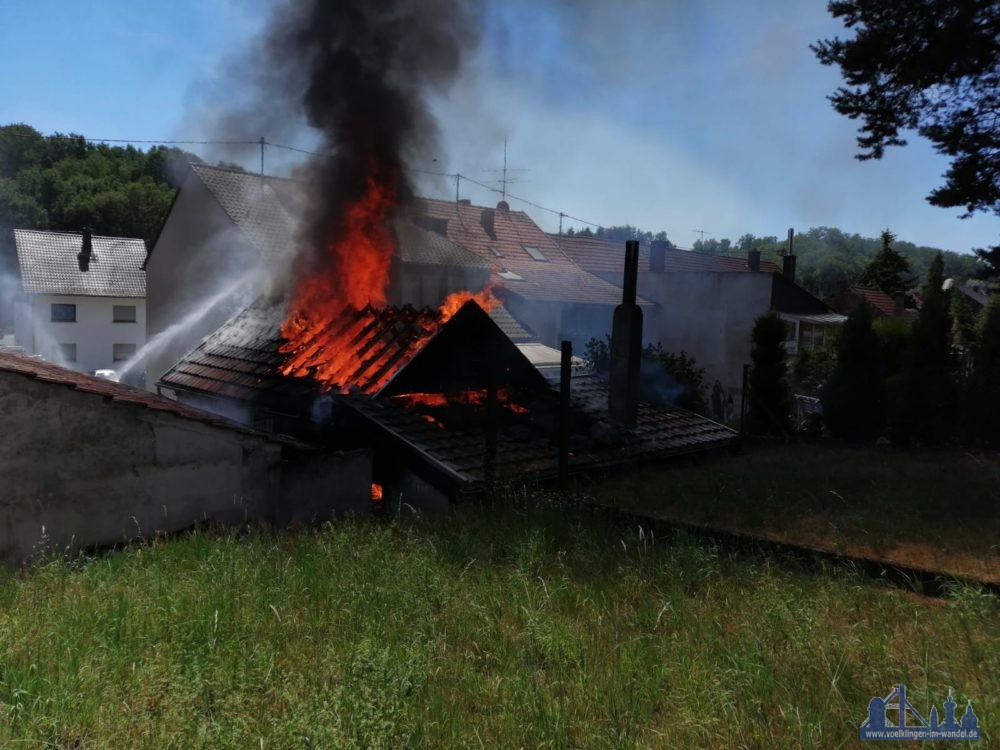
[{"x": 854, "y": 398}]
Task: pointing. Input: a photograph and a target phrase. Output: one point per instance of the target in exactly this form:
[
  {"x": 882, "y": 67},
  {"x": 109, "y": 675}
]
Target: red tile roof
[
  {"x": 608, "y": 257},
  {"x": 119, "y": 393},
  {"x": 882, "y": 303},
  {"x": 555, "y": 279}
]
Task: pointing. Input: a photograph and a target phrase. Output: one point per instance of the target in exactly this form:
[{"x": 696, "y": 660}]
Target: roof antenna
[{"x": 505, "y": 180}]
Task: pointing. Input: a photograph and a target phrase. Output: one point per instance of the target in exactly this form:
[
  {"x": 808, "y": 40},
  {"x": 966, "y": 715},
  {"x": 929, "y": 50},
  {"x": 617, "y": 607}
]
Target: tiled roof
[
  {"x": 119, "y": 393},
  {"x": 49, "y": 265},
  {"x": 415, "y": 244},
  {"x": 881, "y": 303},
  {"x": 608, "y": 257},
  {"x": 260, "y": 206},
  {"x": 555, "y": 279},
  {"x": 525, "y": 447},
  {"x": 241, "y": 360},
  {"x": 510, "y": 326}
]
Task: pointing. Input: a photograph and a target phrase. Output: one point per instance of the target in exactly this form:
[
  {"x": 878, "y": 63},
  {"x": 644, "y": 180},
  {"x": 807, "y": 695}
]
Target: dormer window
[{"x": 534, "y": 252}]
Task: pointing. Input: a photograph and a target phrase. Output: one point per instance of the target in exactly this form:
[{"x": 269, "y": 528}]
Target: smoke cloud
[{"x": 358, "y": 74}]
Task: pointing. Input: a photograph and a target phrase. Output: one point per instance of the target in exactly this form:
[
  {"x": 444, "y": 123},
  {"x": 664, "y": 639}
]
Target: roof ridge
[{"x": 63, "y": 233}]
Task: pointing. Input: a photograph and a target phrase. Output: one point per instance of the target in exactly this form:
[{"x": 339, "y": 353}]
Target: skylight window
[
  {"x": 534, "y": 252},
  {"x": 495, "y": 251},
  {"x": 510, "y": 275}
]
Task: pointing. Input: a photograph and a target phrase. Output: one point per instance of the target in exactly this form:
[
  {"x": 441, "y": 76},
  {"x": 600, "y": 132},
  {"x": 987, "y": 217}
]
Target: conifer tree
[
  {"x": 770, "y": 399},
  {"x": 888, "y": 270},
  {"x": 984, "y": 405},
  {"x": 854, "y": 405},
  {"x": 926, "y": 411}
]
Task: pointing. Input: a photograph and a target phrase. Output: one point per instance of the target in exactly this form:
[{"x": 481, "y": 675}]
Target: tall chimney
[
  {"x": 626, "y": 346},
  {"x": 87, "y": 250},
  {"x": 488, "y": 220},
  {"x": 788, "y": 267},
  {"x": 658, "y": 255},
  {"x": 753, "y": 260}
]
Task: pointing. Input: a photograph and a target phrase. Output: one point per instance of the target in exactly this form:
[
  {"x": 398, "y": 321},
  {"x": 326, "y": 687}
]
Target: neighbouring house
[
  {"x": 882, "y": 305},
  {"x": 413, "y": 387},
  {"x": 706, "y": 305},
  {"x": 542, "y": 287},
  {"x": 88, "y": 462},
  {"x": 80, "y": 298}
]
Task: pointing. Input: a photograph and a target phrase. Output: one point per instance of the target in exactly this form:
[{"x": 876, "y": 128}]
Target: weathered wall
[
  {"x": 198, "y": 251},
  {"x": 78, "y": 470}
]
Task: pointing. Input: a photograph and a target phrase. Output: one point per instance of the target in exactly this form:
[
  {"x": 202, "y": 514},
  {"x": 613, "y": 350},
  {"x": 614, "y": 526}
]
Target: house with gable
[{"x": 79, "y": 300}]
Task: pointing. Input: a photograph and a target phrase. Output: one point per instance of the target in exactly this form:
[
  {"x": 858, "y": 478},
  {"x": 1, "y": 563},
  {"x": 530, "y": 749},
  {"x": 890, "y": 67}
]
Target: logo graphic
[{"x": 911, "y": 725}]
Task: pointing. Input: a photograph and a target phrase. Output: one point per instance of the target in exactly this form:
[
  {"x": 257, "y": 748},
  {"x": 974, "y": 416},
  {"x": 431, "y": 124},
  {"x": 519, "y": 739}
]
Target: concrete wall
[
  {"x": 554, "y": 321},
  {"x": 94, "y": 332},
  {"x": 77, "y": 469},
  {"x": 199, "y": 255}
]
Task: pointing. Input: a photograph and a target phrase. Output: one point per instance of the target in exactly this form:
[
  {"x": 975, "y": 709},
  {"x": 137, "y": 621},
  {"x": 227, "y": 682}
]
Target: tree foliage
[
  {"x": 926, "y": 412},
  {"x": 888, "y": 270},
  {"x": 770, "y": 407},
  {"x": 984, "y": 404},
  {"x": 65, "y": 183},
  {"x": 854, "y": 403},
  {"x": 930, "y": 66}
]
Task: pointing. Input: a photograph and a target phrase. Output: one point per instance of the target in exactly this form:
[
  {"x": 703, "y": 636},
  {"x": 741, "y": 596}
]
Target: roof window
[{"x": 534, "y": 252}]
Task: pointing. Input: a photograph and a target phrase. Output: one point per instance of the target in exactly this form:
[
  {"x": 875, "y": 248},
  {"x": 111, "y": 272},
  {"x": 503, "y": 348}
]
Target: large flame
[{"x": 322, "y": 340}]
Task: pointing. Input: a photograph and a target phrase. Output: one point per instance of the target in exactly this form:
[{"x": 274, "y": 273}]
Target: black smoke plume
[{"x": 358, "y": 72}]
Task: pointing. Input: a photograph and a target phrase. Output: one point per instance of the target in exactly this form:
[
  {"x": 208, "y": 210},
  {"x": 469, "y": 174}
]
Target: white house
[{"x": 82, "y": 298}]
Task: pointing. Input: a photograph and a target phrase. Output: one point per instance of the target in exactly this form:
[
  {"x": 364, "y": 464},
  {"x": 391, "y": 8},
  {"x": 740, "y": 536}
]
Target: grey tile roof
[
  {"x": 418, "y": 245},
  {"x": 49, "y": 265},
  {"x": 262, "y": 207}
]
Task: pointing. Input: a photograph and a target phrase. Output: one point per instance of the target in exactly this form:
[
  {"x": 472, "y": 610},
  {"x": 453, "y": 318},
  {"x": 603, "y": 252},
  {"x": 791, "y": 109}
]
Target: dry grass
[
  {"x": 937, "y": 510},
  {"x": 527, "y": 627}
]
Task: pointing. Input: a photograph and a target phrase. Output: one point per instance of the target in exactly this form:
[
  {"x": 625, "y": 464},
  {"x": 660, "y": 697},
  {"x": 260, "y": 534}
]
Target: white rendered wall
[{"x": 95, "y": 333}]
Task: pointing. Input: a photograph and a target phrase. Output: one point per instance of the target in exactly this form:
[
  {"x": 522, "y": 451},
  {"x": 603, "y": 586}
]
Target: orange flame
[
  {"x": 459, "y": 398},
  {"x": 376, "y": 493},
  {"x": 321, "y": 339},
  {"x": 486, "y": 299}
]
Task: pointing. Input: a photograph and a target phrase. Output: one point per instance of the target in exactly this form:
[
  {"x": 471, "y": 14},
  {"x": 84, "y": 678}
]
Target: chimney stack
[
  {"x": 488, "y": 220},
  {"x": 658, "y": 255},
  {"x": 87, "y": 250},
  {"x": 626, "y": 346},
  {"x": 788, "y": 267},
  {"x": 753, "y": 260}
]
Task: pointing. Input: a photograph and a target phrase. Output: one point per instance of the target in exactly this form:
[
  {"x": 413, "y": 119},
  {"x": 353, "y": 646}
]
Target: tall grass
[{"x": 510, "y": 626}]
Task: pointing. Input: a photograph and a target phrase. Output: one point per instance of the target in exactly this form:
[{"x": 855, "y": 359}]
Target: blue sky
[{"x": 663, "y": 114}]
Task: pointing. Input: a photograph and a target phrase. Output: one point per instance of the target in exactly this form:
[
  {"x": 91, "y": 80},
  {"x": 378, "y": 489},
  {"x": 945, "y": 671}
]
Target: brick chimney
[
  {"x": 86, "y": 253},
  {"x": 626, "y": 346},
  {"x": 488, "y": 220},
  {"x": 658, "y": 255},
  {"x": 753, "y": 260}
]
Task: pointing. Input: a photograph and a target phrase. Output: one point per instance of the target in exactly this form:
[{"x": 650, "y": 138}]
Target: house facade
[
  {"x": 81, "y": 298},
  {"x": 706, "y": 305}
]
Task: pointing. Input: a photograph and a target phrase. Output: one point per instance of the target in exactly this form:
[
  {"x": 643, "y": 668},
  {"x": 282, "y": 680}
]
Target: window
[
  {"x": 510, "y": 275},
  {"x": 124, "y": 314},
  {"x": 62, "y": 313},
  {"x": 495, "y": 251},
  {"x": 123, "y": 352},
  {"x": 64, "y": 352},
  {"x": 534, "y": 252}
]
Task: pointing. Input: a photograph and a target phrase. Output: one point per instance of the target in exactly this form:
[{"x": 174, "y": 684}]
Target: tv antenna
[
  {"x": 701, "y": 232},
  {"x": 505, "y": 180}
]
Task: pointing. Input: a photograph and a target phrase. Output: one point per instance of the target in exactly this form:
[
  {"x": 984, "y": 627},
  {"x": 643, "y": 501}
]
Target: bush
[
  {"x": 770, "y": 399},
  {"x": 984, "y": 401}
]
